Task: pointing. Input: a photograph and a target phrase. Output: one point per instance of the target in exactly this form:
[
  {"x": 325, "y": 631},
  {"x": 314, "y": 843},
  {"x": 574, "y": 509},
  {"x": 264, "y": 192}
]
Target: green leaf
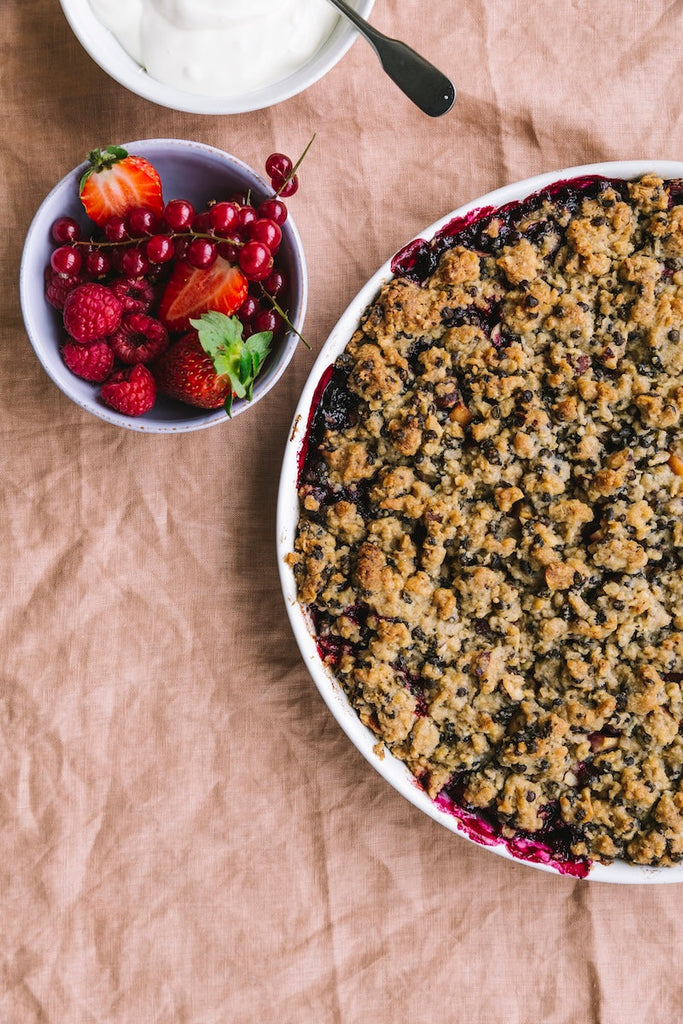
[
  {"x": 259, "y": 346},
  {"x": 240, "y": 360},
  {"x": 239, "y": 388},
  {"x": 221, "y": 338},
  {"x": 245, "y": 365},
  {"x": 84, "y": 177},
  {"x": 99, "y": 160}
]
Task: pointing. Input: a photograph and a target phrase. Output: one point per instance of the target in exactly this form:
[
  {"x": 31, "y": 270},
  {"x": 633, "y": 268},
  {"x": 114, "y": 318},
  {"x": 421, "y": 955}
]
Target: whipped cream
[{"x": 218, "y": 47}]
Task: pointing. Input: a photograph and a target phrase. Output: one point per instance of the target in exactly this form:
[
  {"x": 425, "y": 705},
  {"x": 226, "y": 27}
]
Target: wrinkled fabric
[{"x": 186, "y": 835}]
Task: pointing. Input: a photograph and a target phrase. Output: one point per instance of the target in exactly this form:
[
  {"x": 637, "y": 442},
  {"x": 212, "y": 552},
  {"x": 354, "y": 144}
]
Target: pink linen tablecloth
[{"x": 186, "y": 836}]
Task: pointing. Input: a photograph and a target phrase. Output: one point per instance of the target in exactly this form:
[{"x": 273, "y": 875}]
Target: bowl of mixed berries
[{"x": 163, "y": 283}]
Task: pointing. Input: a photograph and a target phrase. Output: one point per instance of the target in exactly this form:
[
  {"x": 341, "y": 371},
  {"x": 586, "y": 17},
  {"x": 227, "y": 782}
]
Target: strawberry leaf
[
  {"x": 233, "y": 356},
  {"x": 100, "y": 160},
  {"x": 259, "y": 346}
]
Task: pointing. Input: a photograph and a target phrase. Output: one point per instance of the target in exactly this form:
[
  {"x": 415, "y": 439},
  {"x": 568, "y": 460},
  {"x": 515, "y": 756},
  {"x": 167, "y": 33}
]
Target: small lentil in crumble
[{"x": 490, "y": 539}]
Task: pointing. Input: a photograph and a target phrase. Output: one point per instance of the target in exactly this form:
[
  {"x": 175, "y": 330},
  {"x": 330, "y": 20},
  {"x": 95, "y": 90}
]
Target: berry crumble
[{"x": 490, "y": 535}]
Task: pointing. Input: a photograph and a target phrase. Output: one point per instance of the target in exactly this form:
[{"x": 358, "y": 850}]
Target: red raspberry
[
  {"x": 92, "y": 361},
  {"x": 91, "y": 312},
  {"x": 58, "y": 286},
  {"x": 131, "y": 391},
  {"x": 138, "y": 339},
  {"x": 135, "y": 294}
]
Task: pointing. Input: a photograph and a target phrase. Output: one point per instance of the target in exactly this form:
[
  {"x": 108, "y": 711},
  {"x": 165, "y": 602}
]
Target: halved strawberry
[
  {"x": 191, "y": 292},
  {"x": 116, "y": 182}
]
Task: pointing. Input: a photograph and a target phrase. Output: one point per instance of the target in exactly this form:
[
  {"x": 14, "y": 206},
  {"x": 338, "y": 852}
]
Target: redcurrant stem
[
  {"x": 296, "y": 167},
  {"x": 278, "y": 309},
  {"x": 146, "y": 238}
]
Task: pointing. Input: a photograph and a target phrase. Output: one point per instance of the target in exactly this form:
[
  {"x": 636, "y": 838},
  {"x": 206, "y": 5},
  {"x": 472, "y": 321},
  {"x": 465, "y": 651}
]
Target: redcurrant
[
  {"x": 141, "y": 221},
  {"x": 275, "y": 283},
  {"x": 286, "y": 188},
  {"x": 134, "y": 263},
  {"x": 256, "y": 261},
  {"x": 266, "y": 320},
  {"x": 274, "y": 209},
  {"x": 66, "y": 260},
  {"x": 278, "y": 165},
  {"x": 180, "y": 247},
  {"x": 246, "y": 215},
  {"x": 65, "y": 230},
  {"x": 229, "y": 250},
  {"x": 115, "y": 229},
  {"x": 160, "y": 249},
  {"x": 266, "y": 231},
  {"x": 201, "y": 253},
  {"x": 201, "y": 224},
  {"x": 97, "y": 263},
  {"x": 248, "y": 309},
  {"x": 179, "y": 214},
  {"x": 223, "y": 217}
]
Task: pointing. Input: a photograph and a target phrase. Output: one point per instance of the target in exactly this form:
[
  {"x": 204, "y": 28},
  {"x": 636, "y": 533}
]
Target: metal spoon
[{"x": 424, "y": 84}]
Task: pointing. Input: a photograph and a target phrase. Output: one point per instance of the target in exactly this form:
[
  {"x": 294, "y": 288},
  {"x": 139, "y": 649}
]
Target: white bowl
[
  {"x": 188, "y": 170},
  {"x": 106, "y": 51},
  {"x": 390, "y": 768}
]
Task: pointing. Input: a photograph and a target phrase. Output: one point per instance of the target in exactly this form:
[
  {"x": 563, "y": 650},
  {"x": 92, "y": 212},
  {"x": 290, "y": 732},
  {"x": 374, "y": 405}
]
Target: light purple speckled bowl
[{"x": 189, "y": 170}]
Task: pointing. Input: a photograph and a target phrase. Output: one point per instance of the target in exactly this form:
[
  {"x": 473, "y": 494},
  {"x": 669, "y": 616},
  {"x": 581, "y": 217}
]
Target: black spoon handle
[{"x": 424, "y": 84}]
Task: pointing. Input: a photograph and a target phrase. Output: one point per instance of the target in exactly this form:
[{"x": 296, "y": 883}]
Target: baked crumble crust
[{"x": 491, "y": 533}]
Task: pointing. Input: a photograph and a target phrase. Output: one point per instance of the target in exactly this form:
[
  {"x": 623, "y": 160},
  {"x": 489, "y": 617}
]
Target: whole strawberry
[
  {"x": 91, "y": 311},
  {"x": 117, "y": 182},
  {"x": 92, "y": 361},
  {"x": 187, "y": 372},
  {"x": 131, "y": 391},
  {"x": 212, "y": 364}
]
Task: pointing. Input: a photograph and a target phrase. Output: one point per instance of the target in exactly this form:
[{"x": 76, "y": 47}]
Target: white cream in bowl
[{"x": 218, "y": 47}]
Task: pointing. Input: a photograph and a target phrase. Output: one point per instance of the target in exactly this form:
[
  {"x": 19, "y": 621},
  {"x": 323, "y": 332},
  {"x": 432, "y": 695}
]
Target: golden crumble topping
[{"x": 490, "y": 539}]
